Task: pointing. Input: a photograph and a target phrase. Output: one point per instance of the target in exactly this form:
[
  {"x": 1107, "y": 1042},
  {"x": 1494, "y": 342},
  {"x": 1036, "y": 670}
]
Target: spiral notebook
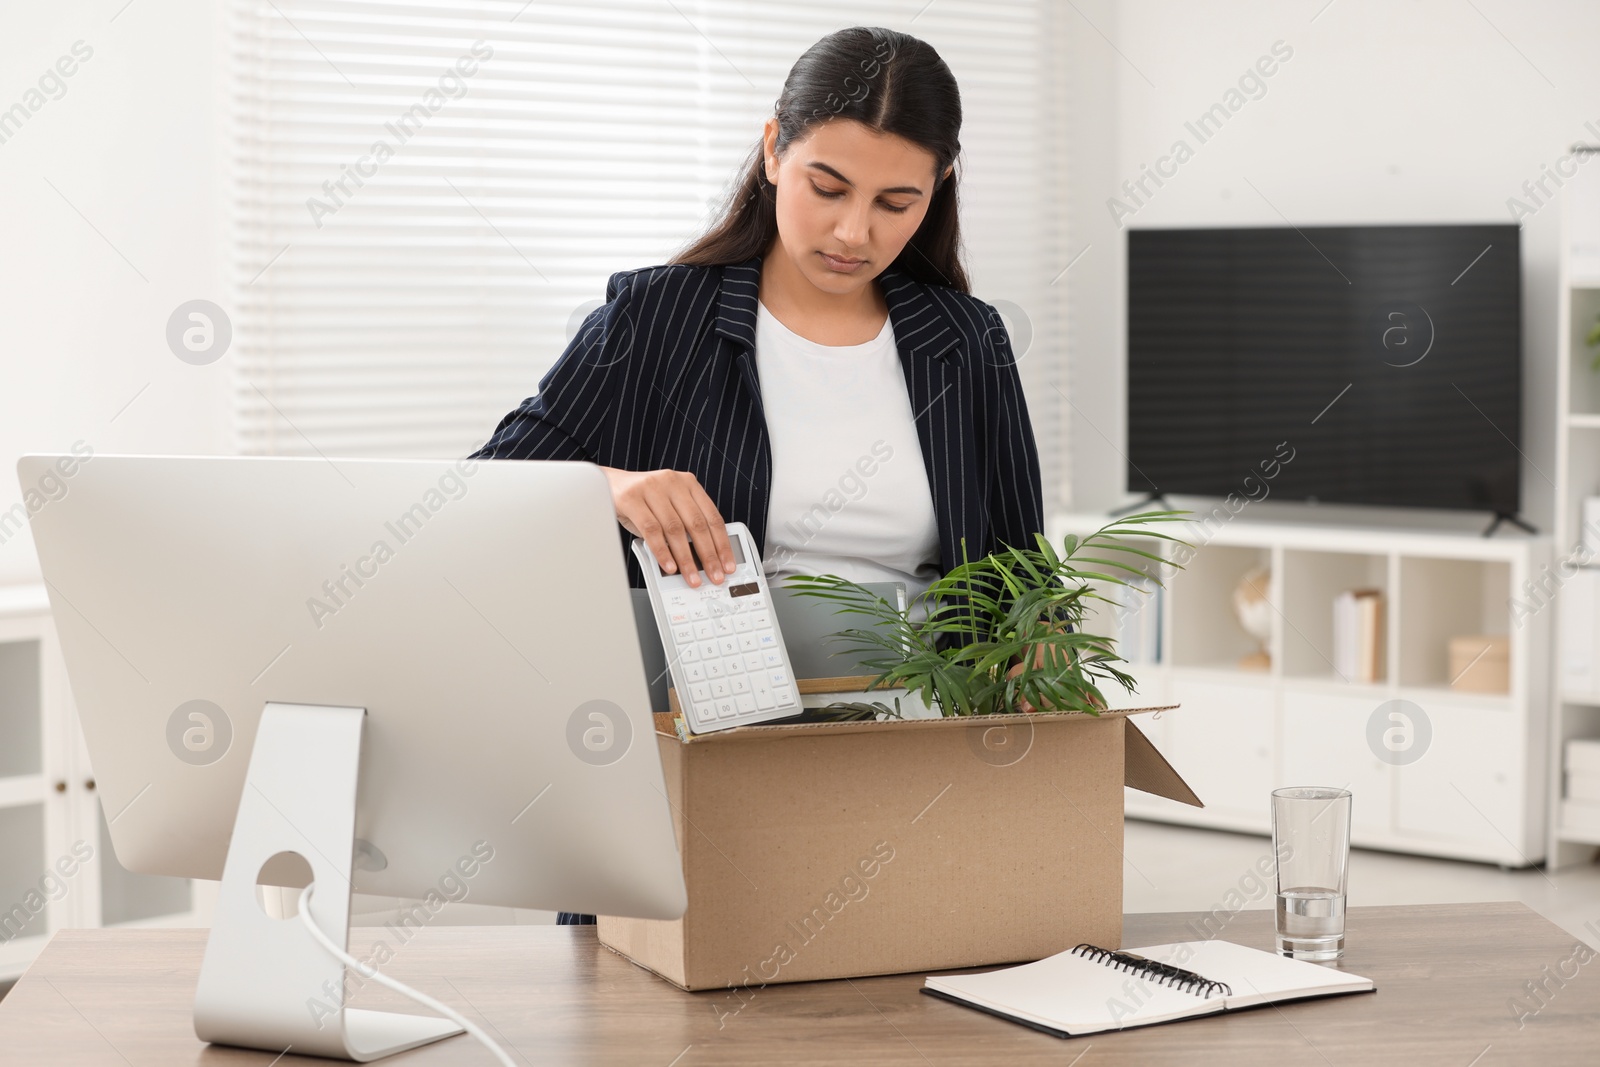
[{"x": 1086, "y": 990}]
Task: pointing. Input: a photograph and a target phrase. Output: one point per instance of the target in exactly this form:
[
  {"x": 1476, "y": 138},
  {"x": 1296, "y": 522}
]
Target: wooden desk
[{"x": 1446, "y": 975}]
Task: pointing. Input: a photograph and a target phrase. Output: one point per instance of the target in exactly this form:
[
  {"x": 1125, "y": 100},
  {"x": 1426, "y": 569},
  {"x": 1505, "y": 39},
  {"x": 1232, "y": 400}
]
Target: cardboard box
[
  {"x": 1480, "y": 663},
  {"x": 846, "y": 849}
]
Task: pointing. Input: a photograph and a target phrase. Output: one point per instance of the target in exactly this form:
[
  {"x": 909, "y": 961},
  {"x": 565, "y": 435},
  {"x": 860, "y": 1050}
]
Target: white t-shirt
[{"x": 849, "y": 488}]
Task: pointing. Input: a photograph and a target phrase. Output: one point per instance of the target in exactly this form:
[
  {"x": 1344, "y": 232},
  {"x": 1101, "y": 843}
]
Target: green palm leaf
[{"x": 1015, "y": 606}]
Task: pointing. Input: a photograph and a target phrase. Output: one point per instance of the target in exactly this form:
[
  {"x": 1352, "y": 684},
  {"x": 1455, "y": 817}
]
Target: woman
[{"x": 813, "y": 366}]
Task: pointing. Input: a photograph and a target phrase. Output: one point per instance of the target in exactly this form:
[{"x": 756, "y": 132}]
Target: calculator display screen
[{"x": 738, "y": 553}]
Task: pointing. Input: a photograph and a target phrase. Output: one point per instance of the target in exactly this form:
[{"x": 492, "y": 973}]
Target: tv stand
[
  {"x": 1506, "y": 516},
  {"x": 1473, "y": 787},
  {"x": 1138, "y": 505}
]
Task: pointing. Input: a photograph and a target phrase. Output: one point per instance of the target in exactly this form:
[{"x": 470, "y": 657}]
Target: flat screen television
[{"x": 1385, "y": 360}]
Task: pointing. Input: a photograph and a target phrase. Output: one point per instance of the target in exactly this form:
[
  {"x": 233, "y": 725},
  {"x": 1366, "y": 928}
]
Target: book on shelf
[
  {"x": 1580, "y": 816},
  {"x": 1583, "y": 755},
  {"x": 1358, "y": 635},
  {"x": 1580, "y": 606},
  {"x": 1086, "y": 990},
  {"x": 1582, "y": 765},
  {"x": 1584, "y": 788},
  {"x": 1139, "y": 606}
]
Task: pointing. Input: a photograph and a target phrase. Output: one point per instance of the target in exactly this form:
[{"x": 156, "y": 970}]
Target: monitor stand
[
  {"x": 265, "y": 983},
  {"x": 1506, "y": 516}
]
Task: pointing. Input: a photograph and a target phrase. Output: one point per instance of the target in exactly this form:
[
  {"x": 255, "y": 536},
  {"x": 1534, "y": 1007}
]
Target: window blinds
[{"x": 428, "y": 197}]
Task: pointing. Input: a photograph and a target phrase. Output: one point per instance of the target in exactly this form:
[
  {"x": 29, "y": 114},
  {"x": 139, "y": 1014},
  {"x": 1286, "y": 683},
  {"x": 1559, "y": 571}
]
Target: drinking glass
[{"x": 1311, "y": 839}]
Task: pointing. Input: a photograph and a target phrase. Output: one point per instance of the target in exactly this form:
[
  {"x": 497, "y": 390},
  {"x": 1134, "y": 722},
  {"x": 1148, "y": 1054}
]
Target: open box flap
[{"x": 1145, "y": 769}]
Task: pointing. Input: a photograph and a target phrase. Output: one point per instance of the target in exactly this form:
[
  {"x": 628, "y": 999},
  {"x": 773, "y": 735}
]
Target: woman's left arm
[{"x": 1016, "y": 505}]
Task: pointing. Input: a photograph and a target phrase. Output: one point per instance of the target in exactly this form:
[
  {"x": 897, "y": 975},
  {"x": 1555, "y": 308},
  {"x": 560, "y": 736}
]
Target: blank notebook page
[
  {"x": 1257, "y": 977},
  {"x": 1068, "y": 992},
  {"x": 1072, "y": 993}
]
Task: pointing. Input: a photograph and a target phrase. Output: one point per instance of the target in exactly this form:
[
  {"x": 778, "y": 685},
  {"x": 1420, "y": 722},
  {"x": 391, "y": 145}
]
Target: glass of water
[{"x": 1311, "y": 838}]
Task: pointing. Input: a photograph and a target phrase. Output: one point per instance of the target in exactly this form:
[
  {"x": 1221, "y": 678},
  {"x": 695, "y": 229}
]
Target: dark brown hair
[{"x": 890, "y": 82}]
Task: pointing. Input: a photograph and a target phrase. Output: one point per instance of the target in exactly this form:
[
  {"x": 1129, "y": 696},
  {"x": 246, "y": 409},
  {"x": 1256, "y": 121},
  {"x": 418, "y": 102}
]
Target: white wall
[
  {"x": 1388, "y": 111},
  {"x": 135, "y": 144}
]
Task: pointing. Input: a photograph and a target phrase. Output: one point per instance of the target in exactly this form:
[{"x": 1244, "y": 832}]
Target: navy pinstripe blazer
[{"x": 663, "y": 375}]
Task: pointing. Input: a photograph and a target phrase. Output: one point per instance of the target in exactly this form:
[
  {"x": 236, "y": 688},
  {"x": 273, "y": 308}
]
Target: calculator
[{"x": 722, "y": 642}]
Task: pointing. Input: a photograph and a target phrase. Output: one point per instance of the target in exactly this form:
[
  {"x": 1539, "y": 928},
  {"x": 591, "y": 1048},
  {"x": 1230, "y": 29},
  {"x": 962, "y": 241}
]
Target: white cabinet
[
  {"x": 56, "y": 865},
  {"x": 1221, "y": 741},
  {"x": 35, "y": 818},
  {"x": 1467, "y": 790},
  {"x": 1474, "y": 788},
  {"x": 1325, "y": 743}
]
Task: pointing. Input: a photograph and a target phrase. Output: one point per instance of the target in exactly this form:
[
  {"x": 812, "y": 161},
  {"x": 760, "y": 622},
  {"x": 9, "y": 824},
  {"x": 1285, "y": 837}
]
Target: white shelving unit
[
  {"x": 1576, "y": 714},
  {"x": 56, "y": 865},
  {"x": 1477, "y": 791}
]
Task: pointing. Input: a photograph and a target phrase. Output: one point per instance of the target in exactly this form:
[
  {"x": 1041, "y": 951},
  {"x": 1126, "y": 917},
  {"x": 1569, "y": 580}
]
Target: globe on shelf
[{"x": 1254, "y": 611}]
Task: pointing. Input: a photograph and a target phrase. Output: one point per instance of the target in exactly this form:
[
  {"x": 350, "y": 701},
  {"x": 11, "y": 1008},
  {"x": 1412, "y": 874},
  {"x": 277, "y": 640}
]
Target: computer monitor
[{"x": 461, "y": 633}]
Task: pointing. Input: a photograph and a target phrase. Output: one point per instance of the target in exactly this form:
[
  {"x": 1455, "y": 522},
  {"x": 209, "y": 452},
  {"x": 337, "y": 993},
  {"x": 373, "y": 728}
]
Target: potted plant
[{"x": 1002, "y": 634}]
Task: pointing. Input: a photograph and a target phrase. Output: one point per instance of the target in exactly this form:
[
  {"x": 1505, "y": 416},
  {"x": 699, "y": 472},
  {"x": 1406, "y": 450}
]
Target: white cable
[{"x": 368, "y": 971}]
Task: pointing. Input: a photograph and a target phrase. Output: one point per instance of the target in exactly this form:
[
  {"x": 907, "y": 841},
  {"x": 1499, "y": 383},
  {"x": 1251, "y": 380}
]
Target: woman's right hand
[{"x": 668, "y": 509}]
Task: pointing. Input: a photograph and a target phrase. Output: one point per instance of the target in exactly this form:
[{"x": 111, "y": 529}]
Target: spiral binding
[{"x": 1160, "y": 973}]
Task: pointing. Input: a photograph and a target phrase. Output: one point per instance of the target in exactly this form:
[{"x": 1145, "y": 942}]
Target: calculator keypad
[{"x": 728, "y": 652}]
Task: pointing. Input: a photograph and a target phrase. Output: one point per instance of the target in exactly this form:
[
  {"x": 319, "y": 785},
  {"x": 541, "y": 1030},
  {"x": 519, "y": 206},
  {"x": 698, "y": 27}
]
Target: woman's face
[{"x": 846, "y": 191}]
